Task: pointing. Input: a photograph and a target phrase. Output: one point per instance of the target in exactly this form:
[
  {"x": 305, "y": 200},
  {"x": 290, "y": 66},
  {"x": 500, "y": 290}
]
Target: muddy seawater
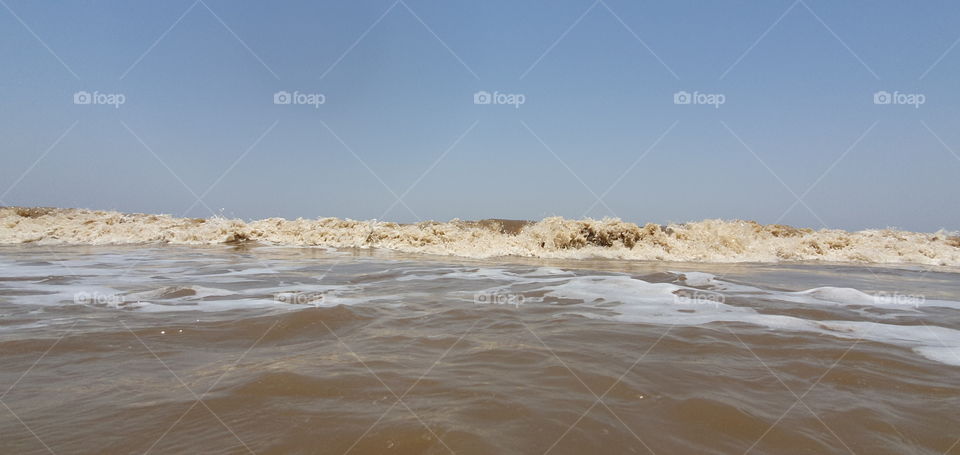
[{"x": 277, "y": 349}]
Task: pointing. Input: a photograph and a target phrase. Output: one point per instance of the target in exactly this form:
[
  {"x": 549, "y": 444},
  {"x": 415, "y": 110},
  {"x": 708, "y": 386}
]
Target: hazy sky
[{"x": 598, "y": 118}]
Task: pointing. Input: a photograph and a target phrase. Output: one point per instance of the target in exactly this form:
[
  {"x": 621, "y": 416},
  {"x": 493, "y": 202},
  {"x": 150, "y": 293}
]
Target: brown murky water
[{"x": 295, "y": 350}]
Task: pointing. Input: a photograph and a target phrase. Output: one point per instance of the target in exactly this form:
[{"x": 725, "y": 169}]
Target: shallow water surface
[{"x": 264, "y": 350}]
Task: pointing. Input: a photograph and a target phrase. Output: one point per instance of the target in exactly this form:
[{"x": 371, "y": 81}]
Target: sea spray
[{"x": 554, "y": 237}]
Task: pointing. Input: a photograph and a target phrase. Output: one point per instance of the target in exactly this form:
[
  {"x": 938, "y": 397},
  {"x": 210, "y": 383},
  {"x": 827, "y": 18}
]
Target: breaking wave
[{"x": 554, "y": 237}]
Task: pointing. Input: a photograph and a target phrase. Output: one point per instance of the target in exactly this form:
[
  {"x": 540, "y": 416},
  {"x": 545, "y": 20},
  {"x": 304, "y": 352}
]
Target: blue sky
[{"x": 398, "y": 79}]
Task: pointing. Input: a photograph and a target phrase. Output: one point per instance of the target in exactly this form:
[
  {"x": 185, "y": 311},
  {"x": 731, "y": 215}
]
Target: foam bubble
[
  {"x": 627, "y": 299},
  {"x": 555, "y": 237}
]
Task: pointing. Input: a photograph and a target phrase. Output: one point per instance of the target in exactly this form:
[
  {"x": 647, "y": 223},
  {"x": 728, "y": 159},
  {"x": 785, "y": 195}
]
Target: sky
[{"x": 812, "y": 113}]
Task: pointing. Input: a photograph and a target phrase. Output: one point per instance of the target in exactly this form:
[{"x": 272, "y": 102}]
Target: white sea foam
[
  {"x": 702, "y": 241},
  {"x": 113, "y": 283},
  {"x": 626, "y": 299}
]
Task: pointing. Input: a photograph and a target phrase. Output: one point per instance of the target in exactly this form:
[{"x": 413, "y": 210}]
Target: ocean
[{"x": 252, "y": 347}]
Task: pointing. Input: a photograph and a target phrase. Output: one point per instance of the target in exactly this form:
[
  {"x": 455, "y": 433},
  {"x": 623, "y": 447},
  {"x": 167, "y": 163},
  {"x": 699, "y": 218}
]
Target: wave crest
[{"x": 554, "y": 237}]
